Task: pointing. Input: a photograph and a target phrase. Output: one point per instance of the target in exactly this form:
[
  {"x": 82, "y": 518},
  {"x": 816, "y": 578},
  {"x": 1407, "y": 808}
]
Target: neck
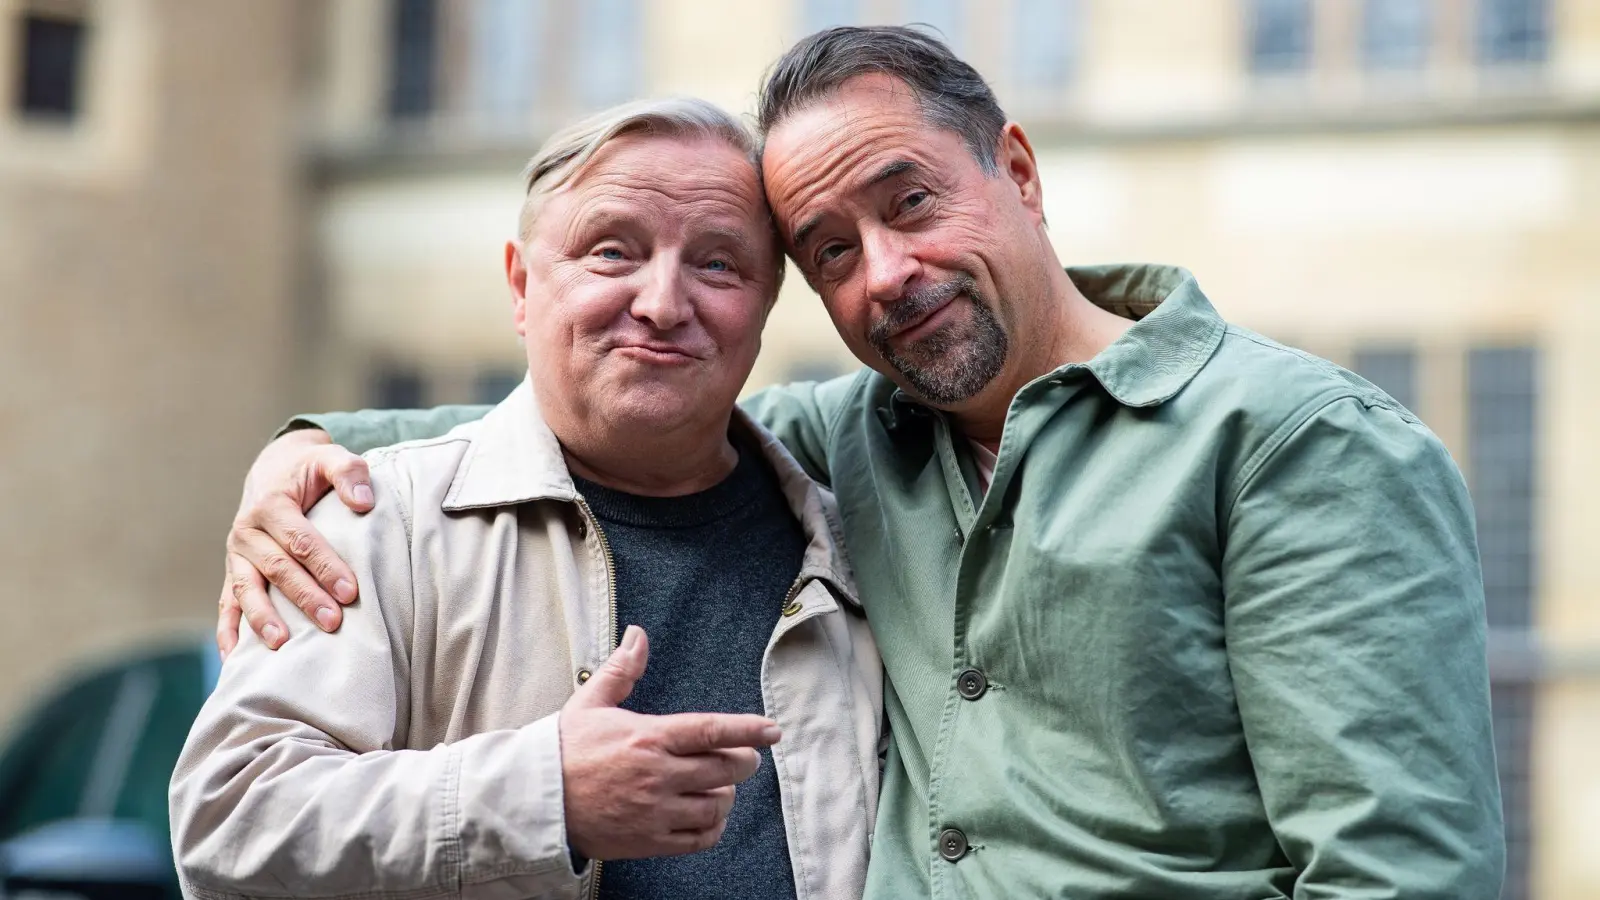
[
  {"x": 653, "y": 464},
  {"x": 1067, "y": 329}
]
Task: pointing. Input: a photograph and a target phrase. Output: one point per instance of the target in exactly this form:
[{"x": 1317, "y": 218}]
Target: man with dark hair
[{"x": 1168, "y": 610}]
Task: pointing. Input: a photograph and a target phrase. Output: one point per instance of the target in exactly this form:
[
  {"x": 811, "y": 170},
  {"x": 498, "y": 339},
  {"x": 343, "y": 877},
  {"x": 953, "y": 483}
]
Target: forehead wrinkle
[
  {"x": 626, "y": 186},
  {"x": 844, "y": 156},
  {"x": 630, "y": 189},
  {"x": 717, "y": 214},
  {"x": 842, "y": 119}
]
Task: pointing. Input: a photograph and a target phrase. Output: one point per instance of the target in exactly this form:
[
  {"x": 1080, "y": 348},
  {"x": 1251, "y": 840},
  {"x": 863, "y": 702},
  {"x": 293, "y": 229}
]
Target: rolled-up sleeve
[
  {"x": 1356, "y": 638},
  {"x": 296, "y": 781}
]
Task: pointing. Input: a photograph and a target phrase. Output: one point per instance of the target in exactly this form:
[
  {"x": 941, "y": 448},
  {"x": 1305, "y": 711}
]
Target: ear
[
  {"x": 1015, "y": 159},
  {"x": 517, "y": 279}
]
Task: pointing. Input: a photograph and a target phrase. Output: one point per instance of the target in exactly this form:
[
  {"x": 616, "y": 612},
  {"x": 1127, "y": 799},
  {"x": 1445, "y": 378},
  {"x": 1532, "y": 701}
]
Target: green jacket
[{"x": 1216, "y": 630}]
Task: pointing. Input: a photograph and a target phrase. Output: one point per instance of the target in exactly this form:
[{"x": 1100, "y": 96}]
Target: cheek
[
  {"x": 576, "y": 302},
  {"x": 964, "y": 233},
  {"x": 733, "y": 319},
  {"x": 847, "y": 307}
]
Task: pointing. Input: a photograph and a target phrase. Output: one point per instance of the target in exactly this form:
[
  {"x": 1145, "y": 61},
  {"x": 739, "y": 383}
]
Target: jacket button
[
  {"x": 971, "y": 684},
  {"x": 952, "y": 844},
  {"x": 584, "y": 675},
  {"x": 583, "y": 529}
]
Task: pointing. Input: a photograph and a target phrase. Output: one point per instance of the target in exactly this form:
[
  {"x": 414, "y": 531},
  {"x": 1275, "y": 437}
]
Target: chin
[{"x": 654, "y": 407}]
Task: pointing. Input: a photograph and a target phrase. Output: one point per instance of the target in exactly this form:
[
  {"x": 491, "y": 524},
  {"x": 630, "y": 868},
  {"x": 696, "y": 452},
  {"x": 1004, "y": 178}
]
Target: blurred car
[{"x": 83, "y": 778}]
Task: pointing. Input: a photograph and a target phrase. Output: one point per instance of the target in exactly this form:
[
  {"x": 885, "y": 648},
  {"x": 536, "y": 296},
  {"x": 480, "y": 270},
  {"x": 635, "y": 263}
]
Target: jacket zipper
[
  {"x": 611, "y": 606},
  {"x": 794, "y": 591},
  {"x": 611, "y": 569}
]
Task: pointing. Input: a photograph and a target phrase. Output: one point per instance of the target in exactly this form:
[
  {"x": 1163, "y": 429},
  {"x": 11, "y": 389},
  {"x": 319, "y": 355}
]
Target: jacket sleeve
[
  {"x": 369, "y": 429},
  {"x": 802, "y": 416},
  {"x": 1356, "y": 637},
  {"x": 296, "y": 779}
]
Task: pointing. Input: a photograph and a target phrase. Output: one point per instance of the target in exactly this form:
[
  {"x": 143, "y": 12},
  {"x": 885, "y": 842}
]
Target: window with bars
[
  {"x": 1280, "y": 36},
  {"x": 399, "y": 388},
  {"x": 414, "y": 58},
  {"x": 947, "y": 18},
  {"x": 1513, "y": 704},
  {"x": 1512, "y": 32},
  {"x": 1502, "y": 447},
  {"x": 51, "y": 46},
  {"x": 610, "y": 38},
  {"x": 506, "y": 37},
  {"x": 815, "y": 15},
  {"x": 1392, "y": 370},
  {"x": 1396, "y": 34},
  {"x": 494, "y": 385},
  {"x": 1045, "y": 43},
  {"x": 1502, "y": 400}
]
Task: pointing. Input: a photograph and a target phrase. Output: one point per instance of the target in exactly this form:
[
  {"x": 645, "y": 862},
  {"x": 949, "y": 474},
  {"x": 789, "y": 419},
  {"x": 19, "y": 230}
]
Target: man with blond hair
[{"x": 472, "y": 731}]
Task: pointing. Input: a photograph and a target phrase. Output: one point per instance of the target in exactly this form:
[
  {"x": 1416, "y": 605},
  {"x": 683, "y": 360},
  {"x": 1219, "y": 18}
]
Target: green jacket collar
[{"x": 1175, "y": 331}]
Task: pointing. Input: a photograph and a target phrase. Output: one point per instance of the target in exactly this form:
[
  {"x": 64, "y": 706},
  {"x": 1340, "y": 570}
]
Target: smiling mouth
[
  {"x": 923, "y": 325},
  {"x": 658, "y": 355}
]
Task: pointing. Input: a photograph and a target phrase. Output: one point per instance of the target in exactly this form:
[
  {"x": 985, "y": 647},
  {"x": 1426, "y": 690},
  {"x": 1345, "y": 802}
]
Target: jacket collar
[
  {"x": 1175, "y": 331},
  {"x": 514, "y": 457}
]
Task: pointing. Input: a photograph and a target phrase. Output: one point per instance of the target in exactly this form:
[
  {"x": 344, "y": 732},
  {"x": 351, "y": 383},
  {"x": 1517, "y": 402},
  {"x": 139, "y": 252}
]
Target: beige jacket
[{"x": 415, "y": 753}]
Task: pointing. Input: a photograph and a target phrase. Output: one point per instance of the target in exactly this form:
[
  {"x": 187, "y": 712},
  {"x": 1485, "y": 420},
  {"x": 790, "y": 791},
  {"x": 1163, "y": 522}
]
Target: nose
[
  {"x": 890, "y": 267},
  {"x": 663, "y": 300}
]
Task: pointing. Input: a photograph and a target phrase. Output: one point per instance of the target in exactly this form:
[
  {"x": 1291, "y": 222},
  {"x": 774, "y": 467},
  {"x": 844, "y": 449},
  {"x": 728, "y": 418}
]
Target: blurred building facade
[
  {"x": 150, "y": 219},
  {"x": 1407, "y": 187}
]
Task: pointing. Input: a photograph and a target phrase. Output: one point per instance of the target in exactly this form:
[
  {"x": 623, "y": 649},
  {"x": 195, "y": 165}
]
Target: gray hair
[
  {"x": 951, "y": 93},
  {"x": 567, "y": 151}
]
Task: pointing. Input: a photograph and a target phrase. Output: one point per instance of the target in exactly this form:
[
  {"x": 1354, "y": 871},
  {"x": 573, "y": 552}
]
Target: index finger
[
  {"x": 227, "y": 618},
  {"x": 712, "y": 771},
  {"x": 687, "y": 734},
  {"x": 290, "y": 529}
]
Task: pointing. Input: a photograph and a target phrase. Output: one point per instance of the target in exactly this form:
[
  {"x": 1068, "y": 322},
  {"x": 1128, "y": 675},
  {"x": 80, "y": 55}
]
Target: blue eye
[
  {"x": 611, "y": 253},
  {"x": 718, "y": 265}
]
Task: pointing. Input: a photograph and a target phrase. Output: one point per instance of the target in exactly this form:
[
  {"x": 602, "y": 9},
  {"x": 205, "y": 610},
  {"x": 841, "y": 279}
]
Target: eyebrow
[
  {"x": 608, "y": 218},
  {"x": 732, "y": 236},
  {"x": 892, "y": 170}
]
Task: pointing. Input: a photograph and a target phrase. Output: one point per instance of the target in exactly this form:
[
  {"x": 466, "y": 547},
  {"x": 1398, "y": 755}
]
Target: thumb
[
  {"x": 347, "y": 474},
  {"x": 613, "y": 682}
]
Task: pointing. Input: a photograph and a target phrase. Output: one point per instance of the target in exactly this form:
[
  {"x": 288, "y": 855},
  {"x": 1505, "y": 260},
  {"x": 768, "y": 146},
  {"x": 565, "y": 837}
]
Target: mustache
[{"x": 919, "y": 303}]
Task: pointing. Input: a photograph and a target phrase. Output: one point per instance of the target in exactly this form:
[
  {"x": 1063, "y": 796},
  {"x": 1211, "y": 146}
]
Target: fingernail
[
  {"x": 362, "y": 493},
  {"x": 273, "y": 635},
  {"x": 344, "y": 590},
  {"x": 325, "y": 618},
  {"x": 771, "y": 733},
  {"x": 630, "y": 638}
]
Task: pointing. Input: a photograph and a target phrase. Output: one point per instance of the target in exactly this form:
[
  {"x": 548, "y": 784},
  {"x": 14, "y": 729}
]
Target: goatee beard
[{"x": 957, "y": 360}]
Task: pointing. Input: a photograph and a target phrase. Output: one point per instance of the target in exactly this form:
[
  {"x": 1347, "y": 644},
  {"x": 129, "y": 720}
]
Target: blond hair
[{"x": 567, "y": 151}]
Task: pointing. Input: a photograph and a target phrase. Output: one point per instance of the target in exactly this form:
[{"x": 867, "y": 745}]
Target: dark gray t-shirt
[{"x": 706, "y": 576}]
